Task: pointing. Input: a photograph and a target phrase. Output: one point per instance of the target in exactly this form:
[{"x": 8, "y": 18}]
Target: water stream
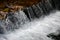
[{"x": 32, "y": 23}]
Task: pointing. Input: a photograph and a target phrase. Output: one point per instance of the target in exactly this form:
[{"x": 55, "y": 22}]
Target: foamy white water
[{"x": 37, "y": 29}]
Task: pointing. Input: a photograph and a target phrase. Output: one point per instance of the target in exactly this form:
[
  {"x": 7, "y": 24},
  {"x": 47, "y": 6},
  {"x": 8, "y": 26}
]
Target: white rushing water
[{"x": 37, "y": 29}]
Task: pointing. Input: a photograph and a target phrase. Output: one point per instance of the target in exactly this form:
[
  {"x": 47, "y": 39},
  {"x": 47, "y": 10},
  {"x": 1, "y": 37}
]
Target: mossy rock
[{"x": 6, "y": 10}]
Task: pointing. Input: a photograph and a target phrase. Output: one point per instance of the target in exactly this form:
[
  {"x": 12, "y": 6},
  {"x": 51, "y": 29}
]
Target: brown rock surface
[{"x": 14, "y": 5}]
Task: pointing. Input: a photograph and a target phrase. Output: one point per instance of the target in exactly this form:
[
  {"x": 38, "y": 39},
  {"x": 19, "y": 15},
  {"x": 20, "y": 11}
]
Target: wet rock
[
  {"x": 55, "y": 4},
  {"x": 55, "y": 37}
]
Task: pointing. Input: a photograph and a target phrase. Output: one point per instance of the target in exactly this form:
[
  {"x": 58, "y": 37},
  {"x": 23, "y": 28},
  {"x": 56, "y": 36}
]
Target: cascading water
[
  {"x": 13, "y": 21},
  {"x": 33, "y": 23}
]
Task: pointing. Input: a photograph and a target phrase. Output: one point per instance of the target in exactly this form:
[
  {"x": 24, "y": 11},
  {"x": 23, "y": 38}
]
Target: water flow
[
  {"x": 13, "y": 21},
  {"x": 37, "y": 29},
  {"x": 31, "y": 25},
  {"x": 38, "y": 10}
]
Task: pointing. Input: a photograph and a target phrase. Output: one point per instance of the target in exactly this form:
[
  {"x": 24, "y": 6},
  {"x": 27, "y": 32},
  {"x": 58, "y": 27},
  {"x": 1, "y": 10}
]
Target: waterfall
[
  {"x": 38, "y": 10},
  {"x": 13, "y": 21},
  {"x": 19, "y": 18},
  {"x": 32, "y": 23},
  {"x": 37, "y": 29}
]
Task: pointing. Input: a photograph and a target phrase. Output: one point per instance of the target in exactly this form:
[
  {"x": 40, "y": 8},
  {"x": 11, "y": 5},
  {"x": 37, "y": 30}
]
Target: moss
[{"x": 6, "y": 10}]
